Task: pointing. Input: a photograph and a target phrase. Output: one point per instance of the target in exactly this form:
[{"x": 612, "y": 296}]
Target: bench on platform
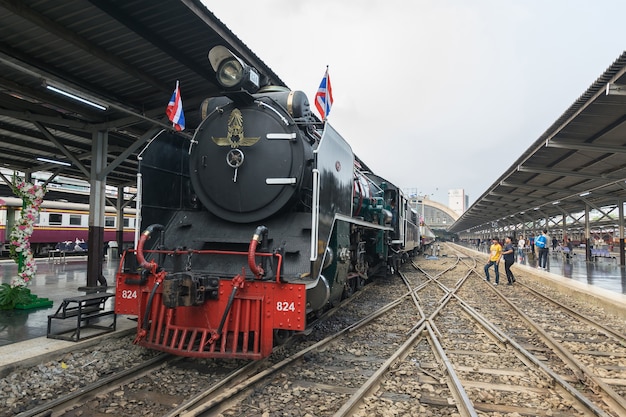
[
  {"x": 57, "y": 255},
  {"x": 565, "y": 252},
  {"x": 601, "y": 253},
  {"x": 86, "y": 310}
]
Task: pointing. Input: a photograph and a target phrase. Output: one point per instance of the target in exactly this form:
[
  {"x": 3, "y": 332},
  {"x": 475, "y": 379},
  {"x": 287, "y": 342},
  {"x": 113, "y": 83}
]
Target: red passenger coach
[{"x": 195, "y": 315}]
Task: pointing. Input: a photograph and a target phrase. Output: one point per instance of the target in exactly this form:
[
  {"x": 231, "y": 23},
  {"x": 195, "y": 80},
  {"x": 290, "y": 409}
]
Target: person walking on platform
[
  {"x": 509, "y": 258},
  {"x": 531, "y": 243},
  {"x": 494, "y": 259},
  {"x": 554, "y": 243},
  {"x": 570, "y": 248},
  {"x": 520, "y": 247},
  {"x": 542, "y": 243}
]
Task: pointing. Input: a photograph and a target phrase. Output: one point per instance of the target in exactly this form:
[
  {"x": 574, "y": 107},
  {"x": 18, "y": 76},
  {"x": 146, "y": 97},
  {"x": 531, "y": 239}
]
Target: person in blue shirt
[{"x": 542, "y": 243}]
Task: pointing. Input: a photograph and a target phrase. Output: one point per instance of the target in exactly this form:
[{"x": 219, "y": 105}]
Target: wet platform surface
[
  {"x": 54, "y": 281},
  {"x": 57, "y": 281},
  {"x": 604, "y": 272}
]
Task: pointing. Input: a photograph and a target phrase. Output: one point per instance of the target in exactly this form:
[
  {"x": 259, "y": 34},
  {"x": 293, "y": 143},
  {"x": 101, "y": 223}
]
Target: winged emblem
[{"x": 235, "y": 136}]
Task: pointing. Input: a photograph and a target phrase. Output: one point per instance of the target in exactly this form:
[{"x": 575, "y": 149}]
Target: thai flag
[
  {"x": 174, "y": 110},
  {"x": 324, "y": 96}
]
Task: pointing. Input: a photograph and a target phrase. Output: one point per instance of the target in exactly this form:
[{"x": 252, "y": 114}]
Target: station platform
[
  {"x": 56, "y": 279},
  {"x": 604, "y": 272}
]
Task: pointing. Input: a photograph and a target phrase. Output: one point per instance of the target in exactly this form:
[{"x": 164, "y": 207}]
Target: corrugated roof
[
  {"x": 125, "y": 54},
  {"x": 582, "y": 152}
]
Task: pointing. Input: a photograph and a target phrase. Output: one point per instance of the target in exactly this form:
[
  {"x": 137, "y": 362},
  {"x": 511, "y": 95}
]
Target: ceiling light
[
  {"x": 52, "y": 161},
  {"x": 75, "y": 96},
  {"x": 584, "y": 194}
]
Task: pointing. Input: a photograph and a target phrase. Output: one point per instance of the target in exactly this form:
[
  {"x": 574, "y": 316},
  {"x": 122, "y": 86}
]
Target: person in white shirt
[{"x": 520, "y": 246}]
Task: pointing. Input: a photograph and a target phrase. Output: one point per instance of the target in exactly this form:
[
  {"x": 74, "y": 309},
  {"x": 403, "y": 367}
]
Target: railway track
[
  {"x": 436, "y": 340},
  {"x": 60, "y": 405},
  {"x": 160, "y": 385},
  {"x": 326, "y": 372},
  {"x": 579, "y": 348}
]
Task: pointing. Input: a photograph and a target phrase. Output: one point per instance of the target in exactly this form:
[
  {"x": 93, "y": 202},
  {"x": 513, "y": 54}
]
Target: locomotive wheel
[{"x": 281, "y": 336}]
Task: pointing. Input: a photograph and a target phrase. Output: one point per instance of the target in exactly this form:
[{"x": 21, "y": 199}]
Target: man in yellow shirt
[{"x": 494, "y": 259}]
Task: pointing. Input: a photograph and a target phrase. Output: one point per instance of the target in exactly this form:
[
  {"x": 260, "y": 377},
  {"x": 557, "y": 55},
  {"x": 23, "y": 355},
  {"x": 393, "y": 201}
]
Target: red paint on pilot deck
[{"x": 259, "y": 308}]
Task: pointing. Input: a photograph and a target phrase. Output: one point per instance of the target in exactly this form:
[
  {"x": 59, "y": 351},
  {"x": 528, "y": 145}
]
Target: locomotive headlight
[{"x": 232, "y": 72}]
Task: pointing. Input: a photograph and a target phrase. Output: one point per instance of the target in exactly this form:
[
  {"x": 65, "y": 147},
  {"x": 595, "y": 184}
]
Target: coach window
[
  {"x": 55, "y": 219},
  {"x": 75, "y": 219},
  {"x": 126, "y": 222},
  {"x": 109, "y": 221}
]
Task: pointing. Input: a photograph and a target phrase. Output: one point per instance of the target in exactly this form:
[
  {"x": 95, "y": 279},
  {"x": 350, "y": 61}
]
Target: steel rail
[
  {"x": 614, "y": 400},
  {"x": 607, "y": 330},
  {"x": 85, "y": 393},
  {"x": 237, "y": 373},
  {"x": 348, "y": 408},
  {"x": 464, "y": 404},
  {"x": 208, "y": 404},
  {"x": 501, "y": 335},
  {"x": 552, "y": 374}
]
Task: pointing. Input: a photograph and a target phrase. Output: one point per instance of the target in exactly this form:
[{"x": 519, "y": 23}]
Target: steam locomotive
[{"x": 259, "y": 223}]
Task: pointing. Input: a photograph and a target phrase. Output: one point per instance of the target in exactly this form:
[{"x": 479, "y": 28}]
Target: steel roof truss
[
  {"x": 552, "y": 171},
  {"x": 589, "y": 203},
  {"x": 62, "y": 148},
  {"x": 127, "y": 153},
  {"x": 587, "y": 147},
  {"x": 567, "y": 214}
]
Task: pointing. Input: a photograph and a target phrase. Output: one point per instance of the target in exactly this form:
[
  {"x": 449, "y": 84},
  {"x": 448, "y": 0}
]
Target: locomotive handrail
[
  {"x": 217, "y": 252},
  {"x": 259, "y": 234},
  {"x": 144, "y": 237}
]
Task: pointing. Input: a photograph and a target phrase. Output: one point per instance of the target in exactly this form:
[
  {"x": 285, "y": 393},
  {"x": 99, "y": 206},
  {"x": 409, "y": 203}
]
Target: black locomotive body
[{"x": 264, "y": 219}]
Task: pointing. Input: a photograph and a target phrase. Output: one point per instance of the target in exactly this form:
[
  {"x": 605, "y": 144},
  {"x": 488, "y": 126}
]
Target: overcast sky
[{"x": 436, "y": 94}]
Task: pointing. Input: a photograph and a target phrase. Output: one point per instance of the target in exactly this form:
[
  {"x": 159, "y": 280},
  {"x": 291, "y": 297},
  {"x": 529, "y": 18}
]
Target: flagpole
[
  {"x": 177, "y": 95},
  {"x": 326, "y": 95},
  {"x": 323, "y": 97}
]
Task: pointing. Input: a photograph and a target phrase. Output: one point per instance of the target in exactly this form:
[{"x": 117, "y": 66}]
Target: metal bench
[
  {"x": 63, "y": 248},
  {"x": 566, "y": 253},
  {"x": 86, "y": 309},
  {"x": 56, "y": 256},
  {"x": 597, "y": 253}
]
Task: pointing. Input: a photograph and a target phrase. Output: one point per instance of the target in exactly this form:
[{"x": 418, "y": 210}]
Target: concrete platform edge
[{"x": 612, "y": 302}]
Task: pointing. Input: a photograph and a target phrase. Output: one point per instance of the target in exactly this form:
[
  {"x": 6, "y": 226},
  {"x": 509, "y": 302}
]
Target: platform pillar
[
  {"x": 622, "y": 255},
  {"x": 97, "y": 196}
]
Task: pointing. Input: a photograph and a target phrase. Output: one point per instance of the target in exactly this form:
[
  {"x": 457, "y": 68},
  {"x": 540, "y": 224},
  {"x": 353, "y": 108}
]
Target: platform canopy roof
[
  {"x": 124, "y": 55},
  {"x": 580, "y": 160}
]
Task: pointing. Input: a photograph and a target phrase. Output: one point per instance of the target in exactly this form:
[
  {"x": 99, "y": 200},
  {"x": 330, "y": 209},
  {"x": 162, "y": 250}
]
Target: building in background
[
  {"x": 458, "y": 201},
  {"x": 435, "y": 215}
]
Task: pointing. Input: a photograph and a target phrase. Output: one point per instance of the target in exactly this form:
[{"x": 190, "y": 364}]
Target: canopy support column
[{"x": 97, "y": 203}]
